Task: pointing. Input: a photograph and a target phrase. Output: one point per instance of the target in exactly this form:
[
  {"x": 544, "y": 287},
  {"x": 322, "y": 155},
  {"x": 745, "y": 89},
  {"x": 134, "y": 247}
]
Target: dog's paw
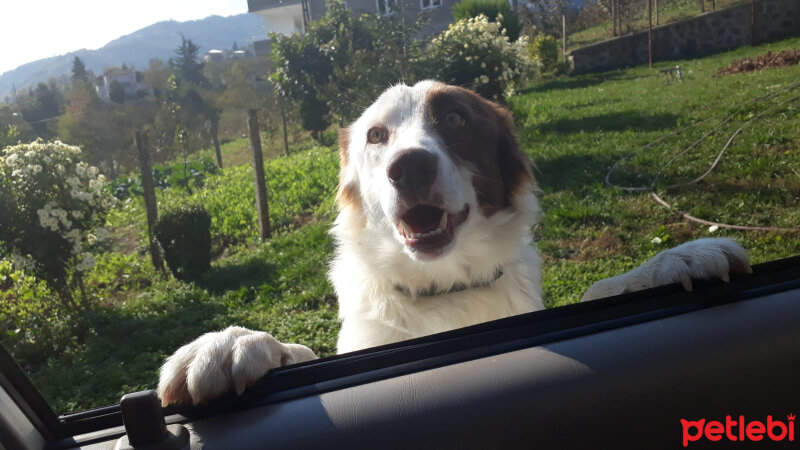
[
  {"x": 216, "y": 363},
  {"x": 708, "y": 258}
]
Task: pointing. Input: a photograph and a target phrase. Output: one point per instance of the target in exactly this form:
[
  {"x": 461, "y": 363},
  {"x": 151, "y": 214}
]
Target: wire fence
[{"x": 605, "y": 19}]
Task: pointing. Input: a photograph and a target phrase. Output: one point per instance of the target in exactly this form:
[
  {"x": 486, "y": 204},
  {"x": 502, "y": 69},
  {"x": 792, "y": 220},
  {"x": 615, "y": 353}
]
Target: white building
[{"x": 132, "y": 83}]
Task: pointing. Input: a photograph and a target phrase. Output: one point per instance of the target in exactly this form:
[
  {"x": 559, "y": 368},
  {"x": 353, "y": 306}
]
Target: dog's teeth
[
  {"x": 443, "y": 222},
  {"x": 406, "y": 228}
]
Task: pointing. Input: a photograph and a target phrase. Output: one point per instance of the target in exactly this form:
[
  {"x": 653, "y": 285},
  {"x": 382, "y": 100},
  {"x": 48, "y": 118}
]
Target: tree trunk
[
  {"x": 149, "y": 200},
  {"x": 264, "y": 231},
  {"x": 283, "y": 120}
]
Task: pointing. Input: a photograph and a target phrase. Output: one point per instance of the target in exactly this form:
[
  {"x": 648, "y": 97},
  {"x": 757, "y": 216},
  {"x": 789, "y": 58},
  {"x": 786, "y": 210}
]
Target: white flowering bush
[
  {"x": 476, "y": 53},
  {"x": 52, "y": 210}
]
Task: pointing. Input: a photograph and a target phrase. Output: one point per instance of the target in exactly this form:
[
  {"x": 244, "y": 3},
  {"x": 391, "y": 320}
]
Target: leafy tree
[
  {"x": 466, "y": 9},
  {"x": 8, "y": 135},
  {"x": 341, "y": 60},
  {"x": 39, "y": 105},
  {"x": 116, "y": 92},
  {"x": 13, "y": 127}
]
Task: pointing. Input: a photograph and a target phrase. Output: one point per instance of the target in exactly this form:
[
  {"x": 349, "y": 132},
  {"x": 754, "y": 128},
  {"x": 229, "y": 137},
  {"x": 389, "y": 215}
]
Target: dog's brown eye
[
  {"x": 376, "y": 135},
  {"x": 454, "y": 120}
]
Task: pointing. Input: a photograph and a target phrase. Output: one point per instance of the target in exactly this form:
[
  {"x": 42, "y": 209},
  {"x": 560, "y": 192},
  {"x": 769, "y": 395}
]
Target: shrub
[
  {"x": 52, "y": 208},
  {"x": 342, "y": 59},
  {"x": 185, "y": 235},
  {"x": 476, "y": 52},
  {"x": 545, "y": 50},
  {"x": 467, "y": 9}
]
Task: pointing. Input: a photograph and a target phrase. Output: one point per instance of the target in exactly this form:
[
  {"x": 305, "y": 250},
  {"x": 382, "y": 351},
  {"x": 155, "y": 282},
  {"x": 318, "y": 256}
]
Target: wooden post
[
  {"x": 264, "y": 231},
  {"x": 702, "y": 6},
  {"x": 650, "y": 32},
  {"x": 713, "y": 5},
  {"x": 149, "y": 200}
]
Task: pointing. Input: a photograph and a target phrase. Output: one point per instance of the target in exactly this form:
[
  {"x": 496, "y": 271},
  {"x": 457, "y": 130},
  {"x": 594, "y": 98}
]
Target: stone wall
[{"x": 701, "y": 35}]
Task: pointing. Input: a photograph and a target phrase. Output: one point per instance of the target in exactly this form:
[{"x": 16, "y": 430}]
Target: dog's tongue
[{"x": 423, "y": 218}]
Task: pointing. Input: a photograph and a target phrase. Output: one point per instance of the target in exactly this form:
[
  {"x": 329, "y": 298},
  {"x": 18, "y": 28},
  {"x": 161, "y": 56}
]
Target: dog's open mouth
[{"x": 428, "y": 229}]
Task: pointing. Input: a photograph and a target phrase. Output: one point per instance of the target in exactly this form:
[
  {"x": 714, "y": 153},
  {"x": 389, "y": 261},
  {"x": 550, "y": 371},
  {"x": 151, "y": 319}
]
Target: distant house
[
  {"x": 286, "y": 16},
  {"x": 131, "y": 81},
  {"x": 214, "y": 55}
]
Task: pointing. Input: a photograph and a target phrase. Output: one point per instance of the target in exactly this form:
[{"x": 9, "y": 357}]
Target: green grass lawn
[{"x": 575, "y": 129}]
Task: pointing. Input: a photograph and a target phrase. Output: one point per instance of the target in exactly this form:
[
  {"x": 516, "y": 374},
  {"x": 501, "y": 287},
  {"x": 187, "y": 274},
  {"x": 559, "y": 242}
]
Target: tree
[
  {"x": 39, "y": 105},
  {"x": 79, "y": 73},
  {"x": 116, "y": 92},
  {"x": 186, "y": 64},
  {"x": 339, "y": 61}
]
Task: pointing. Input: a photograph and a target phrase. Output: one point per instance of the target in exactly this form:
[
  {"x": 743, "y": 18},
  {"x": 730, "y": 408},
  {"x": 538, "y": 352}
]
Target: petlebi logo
[{"x": 738, "y": 430}]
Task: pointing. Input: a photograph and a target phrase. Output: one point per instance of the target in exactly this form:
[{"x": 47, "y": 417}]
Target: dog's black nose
[{"x": 414, "y": 171}]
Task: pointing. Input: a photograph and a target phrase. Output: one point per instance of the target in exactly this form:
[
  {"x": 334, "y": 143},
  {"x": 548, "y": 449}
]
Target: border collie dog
[{"x": 436, "y": 205}]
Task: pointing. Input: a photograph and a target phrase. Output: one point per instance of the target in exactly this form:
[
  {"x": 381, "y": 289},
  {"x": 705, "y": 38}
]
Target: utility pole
[{"x": 264, "y": 231}]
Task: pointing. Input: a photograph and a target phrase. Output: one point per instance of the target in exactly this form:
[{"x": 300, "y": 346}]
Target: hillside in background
[{"x": 136, "y": 49}]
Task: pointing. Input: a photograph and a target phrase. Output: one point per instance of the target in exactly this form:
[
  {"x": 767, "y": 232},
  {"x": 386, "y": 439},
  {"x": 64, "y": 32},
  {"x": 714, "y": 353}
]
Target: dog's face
[{"x": 428, "y": 161}]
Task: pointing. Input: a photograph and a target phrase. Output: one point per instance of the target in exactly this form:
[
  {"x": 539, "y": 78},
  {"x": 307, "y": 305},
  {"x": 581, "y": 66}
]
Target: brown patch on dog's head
[
  {"x": 485, "y": 141},
  {"x": 347, "y": 194}
]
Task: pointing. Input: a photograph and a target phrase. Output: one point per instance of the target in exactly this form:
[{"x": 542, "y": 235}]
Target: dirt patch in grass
[{"x": 769, "y": 60}]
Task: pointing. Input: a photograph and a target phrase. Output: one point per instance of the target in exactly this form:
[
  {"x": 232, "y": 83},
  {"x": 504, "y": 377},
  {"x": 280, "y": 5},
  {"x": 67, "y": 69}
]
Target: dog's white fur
[{"x": 372, "y": 259}]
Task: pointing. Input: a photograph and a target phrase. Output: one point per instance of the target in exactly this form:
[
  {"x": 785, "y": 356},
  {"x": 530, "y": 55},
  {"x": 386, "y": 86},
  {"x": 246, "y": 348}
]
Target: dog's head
[{"x": 425, "y": 163}]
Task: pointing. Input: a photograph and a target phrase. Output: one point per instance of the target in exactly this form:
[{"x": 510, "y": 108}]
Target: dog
[{"x": 436, "y": 202}]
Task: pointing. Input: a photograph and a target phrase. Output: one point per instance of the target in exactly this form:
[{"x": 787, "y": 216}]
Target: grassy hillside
[
  {"x": 577, "y": 128},
  {"x": 574, "y": 128}
]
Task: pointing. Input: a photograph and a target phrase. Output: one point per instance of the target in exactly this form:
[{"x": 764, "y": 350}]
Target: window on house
[
  {"x": 387, "y": 6},
  {"x": 428, "y": 4}
]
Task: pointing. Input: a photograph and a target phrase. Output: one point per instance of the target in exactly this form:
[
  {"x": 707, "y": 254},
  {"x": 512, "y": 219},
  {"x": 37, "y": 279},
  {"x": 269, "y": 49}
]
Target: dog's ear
[
  {"x": 488, "y": 145},
  {"x": 515, "y": 166},
  {"x": 348, "y": 194}
]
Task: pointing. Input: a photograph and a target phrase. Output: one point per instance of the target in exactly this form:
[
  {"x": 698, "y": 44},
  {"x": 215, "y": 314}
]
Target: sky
[{"x": 36, "y": 29}]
